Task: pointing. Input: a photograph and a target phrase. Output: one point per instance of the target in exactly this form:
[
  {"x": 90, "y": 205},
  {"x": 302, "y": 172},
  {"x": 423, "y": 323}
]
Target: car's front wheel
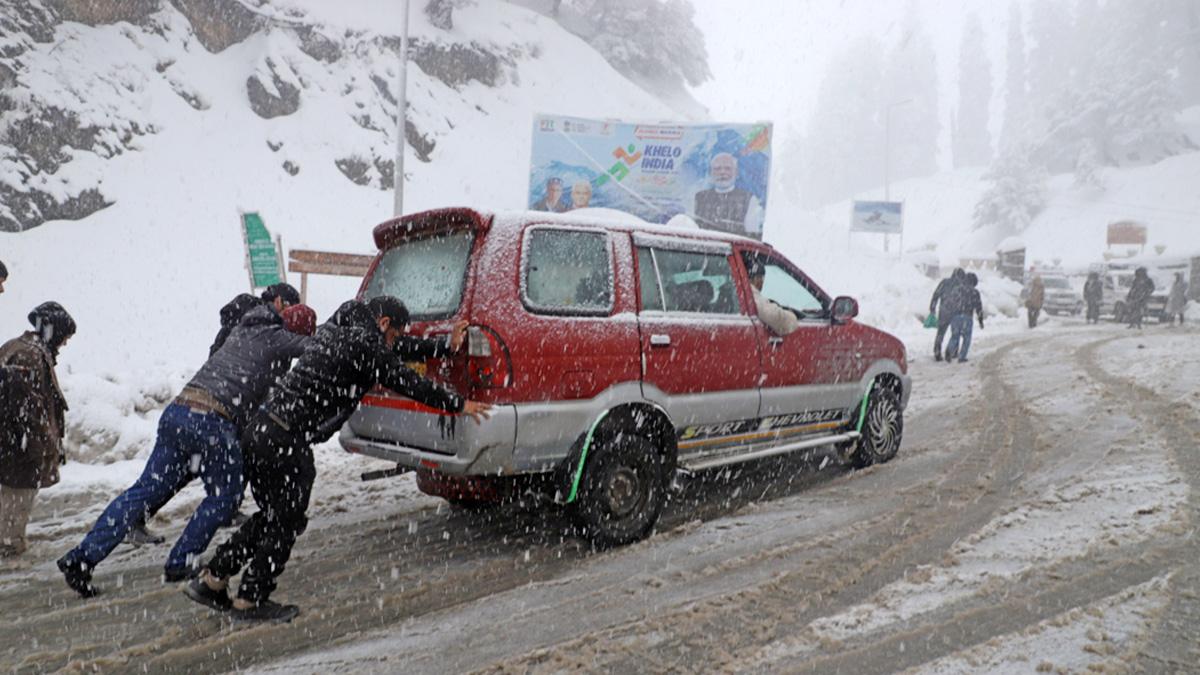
[
  {"x": 882, "y": 430},
  {"x": 623, "y": 490}
]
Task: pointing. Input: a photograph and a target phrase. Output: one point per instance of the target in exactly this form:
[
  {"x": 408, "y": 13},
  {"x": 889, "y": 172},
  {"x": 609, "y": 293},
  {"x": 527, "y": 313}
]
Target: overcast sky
[{"x": 768, "y": 56}]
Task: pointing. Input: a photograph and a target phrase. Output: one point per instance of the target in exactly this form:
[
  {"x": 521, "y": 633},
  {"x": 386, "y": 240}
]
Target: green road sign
[{"x": 261, "y": 253}]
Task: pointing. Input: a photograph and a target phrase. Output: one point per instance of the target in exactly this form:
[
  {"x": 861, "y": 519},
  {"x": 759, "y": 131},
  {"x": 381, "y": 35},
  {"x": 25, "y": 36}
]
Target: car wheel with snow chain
[
  {"x": 622, "y": 490},
  {"x": 882, "y": 431}
]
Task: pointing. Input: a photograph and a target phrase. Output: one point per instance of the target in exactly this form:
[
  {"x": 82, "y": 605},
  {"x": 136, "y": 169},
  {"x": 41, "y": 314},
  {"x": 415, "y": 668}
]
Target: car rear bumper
[{"x": 469, "y": 448}]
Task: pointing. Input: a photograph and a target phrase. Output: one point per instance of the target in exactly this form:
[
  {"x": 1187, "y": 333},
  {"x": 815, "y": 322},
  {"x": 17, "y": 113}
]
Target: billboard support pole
[{"x": 401, "y": 113}]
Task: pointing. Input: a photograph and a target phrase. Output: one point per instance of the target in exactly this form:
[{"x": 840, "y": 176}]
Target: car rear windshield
[
  {"x": 1055, "y": 282},
  {"x": 427, "y": 274}
]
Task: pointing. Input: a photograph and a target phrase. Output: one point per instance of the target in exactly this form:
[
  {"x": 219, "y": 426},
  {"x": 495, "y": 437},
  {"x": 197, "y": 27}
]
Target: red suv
[{"x": 617, "y": 353}]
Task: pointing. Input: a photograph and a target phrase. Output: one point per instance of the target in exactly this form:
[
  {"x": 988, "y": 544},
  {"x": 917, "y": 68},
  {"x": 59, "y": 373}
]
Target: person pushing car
[{"x": 350, "y": 354}]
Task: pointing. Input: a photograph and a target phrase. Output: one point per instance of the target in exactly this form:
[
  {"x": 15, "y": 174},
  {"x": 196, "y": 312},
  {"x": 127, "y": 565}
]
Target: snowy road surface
[{"x": 1039, "y": 518}]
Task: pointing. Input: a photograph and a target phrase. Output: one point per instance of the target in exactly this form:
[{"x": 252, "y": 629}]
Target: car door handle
[{"x": 657, "y": 340}]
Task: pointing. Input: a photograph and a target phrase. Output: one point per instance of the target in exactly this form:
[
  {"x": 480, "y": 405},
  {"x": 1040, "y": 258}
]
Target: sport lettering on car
[{"x": 744, "y": 430}]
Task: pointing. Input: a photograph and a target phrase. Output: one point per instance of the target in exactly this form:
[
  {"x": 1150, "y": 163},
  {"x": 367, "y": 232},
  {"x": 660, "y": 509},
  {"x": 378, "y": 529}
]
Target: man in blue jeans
[
  {"x": 960, "y": 324},
  {"x": 198, "y": 436}
]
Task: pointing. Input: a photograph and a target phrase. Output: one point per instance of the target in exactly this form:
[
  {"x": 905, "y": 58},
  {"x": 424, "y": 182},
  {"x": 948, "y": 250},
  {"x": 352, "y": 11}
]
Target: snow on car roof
[{"x": 606, "y": 218}]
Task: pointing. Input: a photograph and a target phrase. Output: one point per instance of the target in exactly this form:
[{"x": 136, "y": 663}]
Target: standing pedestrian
[
  {"x": 1177, "y": 300},
  {"x": 947, "y": 290},
  {"x": 1093, "y": 294},
  {"x": 1037, "y": 297},
  {"x": 32, "y": 409},
  {"x": 197, "y": 438},
  {"x": 1139, "y": 294},
  {"x": 961, "y": 327},
  {"x": 3, "y": 276},
  {"x": 351, "y": 353}
]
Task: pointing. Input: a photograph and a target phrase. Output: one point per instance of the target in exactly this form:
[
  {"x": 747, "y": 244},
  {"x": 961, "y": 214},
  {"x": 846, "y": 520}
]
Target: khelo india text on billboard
[{"x": 715, "y": 173}]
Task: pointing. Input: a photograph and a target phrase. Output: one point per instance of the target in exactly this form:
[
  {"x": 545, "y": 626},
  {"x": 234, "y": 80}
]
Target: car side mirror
[{"x": 844, "y": 308}]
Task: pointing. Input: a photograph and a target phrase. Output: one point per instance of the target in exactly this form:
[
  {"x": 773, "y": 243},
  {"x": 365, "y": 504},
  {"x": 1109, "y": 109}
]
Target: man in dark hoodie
[
  {"x": 1139, "y": 295},
  {"x": 1093, "y": 294},
  {"x": 351, "y": 353},
  {"x": 946, "y": 302},
  {"x": 197, "y": 437}
]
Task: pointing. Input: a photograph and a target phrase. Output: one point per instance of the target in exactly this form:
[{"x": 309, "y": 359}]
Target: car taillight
[{"x": 488, "y": 362}]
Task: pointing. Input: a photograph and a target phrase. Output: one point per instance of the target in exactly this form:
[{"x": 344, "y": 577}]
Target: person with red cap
[{"x": 198, "y": 437}]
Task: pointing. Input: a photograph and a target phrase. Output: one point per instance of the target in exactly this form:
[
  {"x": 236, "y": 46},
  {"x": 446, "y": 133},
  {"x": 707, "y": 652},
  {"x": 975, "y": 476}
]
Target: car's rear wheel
[
  {"x": 623, "y": 490},
  {"x": 882, "y": 431}
]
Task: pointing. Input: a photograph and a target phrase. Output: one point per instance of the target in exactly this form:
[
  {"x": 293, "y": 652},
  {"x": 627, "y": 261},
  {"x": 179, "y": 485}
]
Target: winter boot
[
  {"x": 176, "y": 574},
  {"x": 264, "y": 612},
  {"x": 201, "y": 592},
  {"x": 140, "y": 535},
  {"x": 78, "y": 576}
]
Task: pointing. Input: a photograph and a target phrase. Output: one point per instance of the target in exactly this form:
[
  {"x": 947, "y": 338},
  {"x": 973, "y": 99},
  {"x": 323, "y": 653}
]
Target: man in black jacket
[
  {"x": 1139, "y": 295},
  {"x": 351, "y": 353},
  {"x": 946, "y": 302},
  {"x": 197, "y": 437},
  {"x": 1093, "y": 294}
]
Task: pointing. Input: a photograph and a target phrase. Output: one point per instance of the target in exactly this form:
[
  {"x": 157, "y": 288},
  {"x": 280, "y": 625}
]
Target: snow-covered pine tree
[
  {"x": 971, "y": 143},
  {"x": 1016, "y": 97},
  {"x": 1088, "y": 171},
  {"x": 1122, "y": 97},
  {"x": 842, "y": 152},
  {"x": 1049, "y": 59},
  {"x": 1184, "y": 24},
  {"x": 1016, "y": 192},
  {"x": 910, "y": 74}
]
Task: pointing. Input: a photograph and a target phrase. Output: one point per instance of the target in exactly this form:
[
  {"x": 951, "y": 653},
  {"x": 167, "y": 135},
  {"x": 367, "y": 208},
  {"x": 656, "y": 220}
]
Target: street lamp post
[
  {"x": 887, "y": 160},
  {"x": 401, "y": 112}
]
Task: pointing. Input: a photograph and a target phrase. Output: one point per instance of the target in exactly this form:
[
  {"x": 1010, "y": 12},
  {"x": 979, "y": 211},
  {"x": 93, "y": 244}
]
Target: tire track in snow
[
  {"x": 973, "y": 486},
  {"x": 1173, "y": 645}
]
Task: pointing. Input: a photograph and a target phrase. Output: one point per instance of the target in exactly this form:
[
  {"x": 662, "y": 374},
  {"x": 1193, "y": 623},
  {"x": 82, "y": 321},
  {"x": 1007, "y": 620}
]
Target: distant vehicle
[
  {"x": 616, "y": 353},
  {"x": 1163, "y": 275},
  {"x": 1061, "y": 297}
]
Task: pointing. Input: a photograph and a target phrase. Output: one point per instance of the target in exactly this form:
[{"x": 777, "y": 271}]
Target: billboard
[
  {"x": 715, "y": 173},
  {"x": 1126, "y": 232},
  {"x": 885, "y": 217}
]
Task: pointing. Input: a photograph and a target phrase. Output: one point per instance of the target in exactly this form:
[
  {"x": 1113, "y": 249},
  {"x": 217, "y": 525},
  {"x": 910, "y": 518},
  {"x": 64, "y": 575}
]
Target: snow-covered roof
[{"x": 1010, "y": 244}]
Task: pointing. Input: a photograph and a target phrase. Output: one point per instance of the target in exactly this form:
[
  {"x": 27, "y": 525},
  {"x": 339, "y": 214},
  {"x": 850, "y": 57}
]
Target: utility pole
[
  {"x": 401, "y": 112},
  {"x": 887, "y": 158}
]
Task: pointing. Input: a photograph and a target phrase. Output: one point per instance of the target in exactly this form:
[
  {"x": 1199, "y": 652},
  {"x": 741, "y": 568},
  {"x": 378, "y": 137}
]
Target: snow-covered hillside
[{"x": 145, "y": 276}]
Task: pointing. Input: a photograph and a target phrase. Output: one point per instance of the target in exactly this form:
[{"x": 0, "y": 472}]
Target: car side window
[
  {"x": 694, "y": 282},
  {"x": 651, "y": 292},
  {"x": 567, "y": 272},
  {"x": 784, "y": 289}
]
